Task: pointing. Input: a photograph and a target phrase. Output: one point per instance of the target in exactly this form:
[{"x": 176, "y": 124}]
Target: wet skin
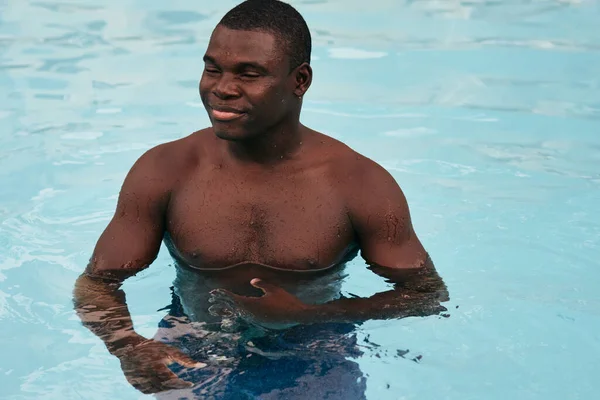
[{"x": 254, "y": 197}]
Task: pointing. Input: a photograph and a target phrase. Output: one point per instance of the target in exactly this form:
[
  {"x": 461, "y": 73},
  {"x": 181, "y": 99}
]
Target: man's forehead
[{"x": 253, "y": 45}]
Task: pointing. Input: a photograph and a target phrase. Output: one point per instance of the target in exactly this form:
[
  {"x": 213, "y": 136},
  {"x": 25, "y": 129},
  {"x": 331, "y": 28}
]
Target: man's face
[{"x": 246, "y": 86}]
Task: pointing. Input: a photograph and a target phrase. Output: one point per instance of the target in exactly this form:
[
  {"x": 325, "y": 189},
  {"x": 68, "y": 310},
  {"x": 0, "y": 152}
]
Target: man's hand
[
  {"x": 275, "y": 309},
  {"x": 145, "y": 363},
  {"x": 146, "y": 366}
]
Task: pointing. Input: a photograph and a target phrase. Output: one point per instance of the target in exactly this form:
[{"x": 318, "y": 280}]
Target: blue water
[{"x": 486, "y": 112}]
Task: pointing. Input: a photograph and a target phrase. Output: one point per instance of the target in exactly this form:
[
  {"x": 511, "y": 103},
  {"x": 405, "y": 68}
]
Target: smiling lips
[{"x": 226, "y": 114}]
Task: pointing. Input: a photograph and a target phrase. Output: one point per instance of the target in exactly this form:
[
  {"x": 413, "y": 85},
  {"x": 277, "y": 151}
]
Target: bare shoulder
[
  {"x": 352, "y": 168},
  {"x": 167, "y": 163}
]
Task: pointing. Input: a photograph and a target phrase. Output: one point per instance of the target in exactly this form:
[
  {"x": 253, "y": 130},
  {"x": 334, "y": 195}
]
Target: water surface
[{"x": 486, "y": 112}]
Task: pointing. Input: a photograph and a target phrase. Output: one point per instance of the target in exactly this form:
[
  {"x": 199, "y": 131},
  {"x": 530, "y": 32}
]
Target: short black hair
[{"x": 278, "y": 18}]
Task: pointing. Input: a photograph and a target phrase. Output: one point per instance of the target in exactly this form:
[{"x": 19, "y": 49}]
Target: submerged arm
[
  {"x": 102, "y": 308},
  {"x": 416, "y": 293}
]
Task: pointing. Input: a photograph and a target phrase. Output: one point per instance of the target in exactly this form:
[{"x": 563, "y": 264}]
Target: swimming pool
[{"x": 487, "y": 113}]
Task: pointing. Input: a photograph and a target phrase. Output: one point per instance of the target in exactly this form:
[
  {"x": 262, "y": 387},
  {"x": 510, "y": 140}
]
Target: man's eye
[
  {"x": 250, "y": 75},
  {"x": 211, "y": 70}
]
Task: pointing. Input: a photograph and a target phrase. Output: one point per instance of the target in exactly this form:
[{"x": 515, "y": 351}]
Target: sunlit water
[{"x": 486, "y": 112}]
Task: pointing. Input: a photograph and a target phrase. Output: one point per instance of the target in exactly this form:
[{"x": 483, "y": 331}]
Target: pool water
[{"x": 486, "y": 112}]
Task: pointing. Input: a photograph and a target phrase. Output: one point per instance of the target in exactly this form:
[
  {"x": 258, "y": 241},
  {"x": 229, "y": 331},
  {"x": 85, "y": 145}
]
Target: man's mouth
[{"x": 225, "y": 114}]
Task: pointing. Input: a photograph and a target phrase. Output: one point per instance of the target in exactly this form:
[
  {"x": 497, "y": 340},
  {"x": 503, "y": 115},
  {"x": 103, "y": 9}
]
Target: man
[{"x": 258, "y": 210}]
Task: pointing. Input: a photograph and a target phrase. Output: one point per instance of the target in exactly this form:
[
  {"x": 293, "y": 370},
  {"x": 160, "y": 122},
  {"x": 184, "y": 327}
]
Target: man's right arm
[{"x": 129, "y": 244}]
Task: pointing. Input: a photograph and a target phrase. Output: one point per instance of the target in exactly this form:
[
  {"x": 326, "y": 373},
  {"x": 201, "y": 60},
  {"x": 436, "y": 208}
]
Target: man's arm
[
  {"x": 129, "y": 244},
  {"x": 381, "y": 219},
  {"x": 382, "y": 223},
  {"x": 417, "y": 292}
]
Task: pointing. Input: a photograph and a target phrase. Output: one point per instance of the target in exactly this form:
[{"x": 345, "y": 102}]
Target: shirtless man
[{"x": 258, "y": 205}]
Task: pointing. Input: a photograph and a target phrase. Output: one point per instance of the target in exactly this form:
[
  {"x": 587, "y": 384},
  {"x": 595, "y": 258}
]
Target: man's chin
[{"x": 233, "y": 135}]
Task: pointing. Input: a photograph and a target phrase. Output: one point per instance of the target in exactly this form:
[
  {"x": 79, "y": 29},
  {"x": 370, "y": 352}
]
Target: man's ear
[{"x": 303, "y": 78}]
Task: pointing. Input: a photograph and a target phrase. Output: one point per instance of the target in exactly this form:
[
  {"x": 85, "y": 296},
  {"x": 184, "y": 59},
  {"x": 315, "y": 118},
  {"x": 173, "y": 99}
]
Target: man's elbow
[{"x": 115, "y": 272}]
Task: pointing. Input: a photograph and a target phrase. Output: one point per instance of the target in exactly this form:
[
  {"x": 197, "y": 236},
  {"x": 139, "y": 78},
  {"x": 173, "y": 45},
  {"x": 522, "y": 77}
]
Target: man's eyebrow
[
  {"x": 209, "y": 59},
  {"x": 239, "y": 66}
]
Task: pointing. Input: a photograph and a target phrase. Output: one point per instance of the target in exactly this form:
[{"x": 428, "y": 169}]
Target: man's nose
[{"x": 226, "y": 87}]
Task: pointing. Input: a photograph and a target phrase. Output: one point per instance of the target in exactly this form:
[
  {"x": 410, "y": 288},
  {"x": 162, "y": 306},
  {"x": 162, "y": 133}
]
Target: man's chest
[{"x": 295, "y": 224}]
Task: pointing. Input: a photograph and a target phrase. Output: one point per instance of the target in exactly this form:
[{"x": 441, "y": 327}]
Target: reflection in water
[{"x": 214, "y": 348}]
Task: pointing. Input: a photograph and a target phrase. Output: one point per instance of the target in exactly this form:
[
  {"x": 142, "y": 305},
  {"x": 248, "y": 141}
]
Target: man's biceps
[
  {"x": 406, "y": 255},
  {"x": 123, "y": 234},
  {"x": 123, "y": 253},
  {"x": 387, "y": 228},
  {"x": 138, "y": 216}
]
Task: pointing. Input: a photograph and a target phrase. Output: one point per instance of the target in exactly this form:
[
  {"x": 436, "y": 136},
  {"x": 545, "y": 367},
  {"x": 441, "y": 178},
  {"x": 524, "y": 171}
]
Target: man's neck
[{"x": 269, "y": 148}]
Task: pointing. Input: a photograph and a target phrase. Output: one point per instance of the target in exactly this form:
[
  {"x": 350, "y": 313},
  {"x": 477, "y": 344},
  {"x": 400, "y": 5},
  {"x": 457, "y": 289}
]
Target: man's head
[{"x": 257, "y": 68}]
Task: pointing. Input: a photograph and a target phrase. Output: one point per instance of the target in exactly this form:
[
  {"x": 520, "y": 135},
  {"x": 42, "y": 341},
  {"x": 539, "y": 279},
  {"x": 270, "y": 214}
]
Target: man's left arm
[{"x": 381, "y": 219}]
